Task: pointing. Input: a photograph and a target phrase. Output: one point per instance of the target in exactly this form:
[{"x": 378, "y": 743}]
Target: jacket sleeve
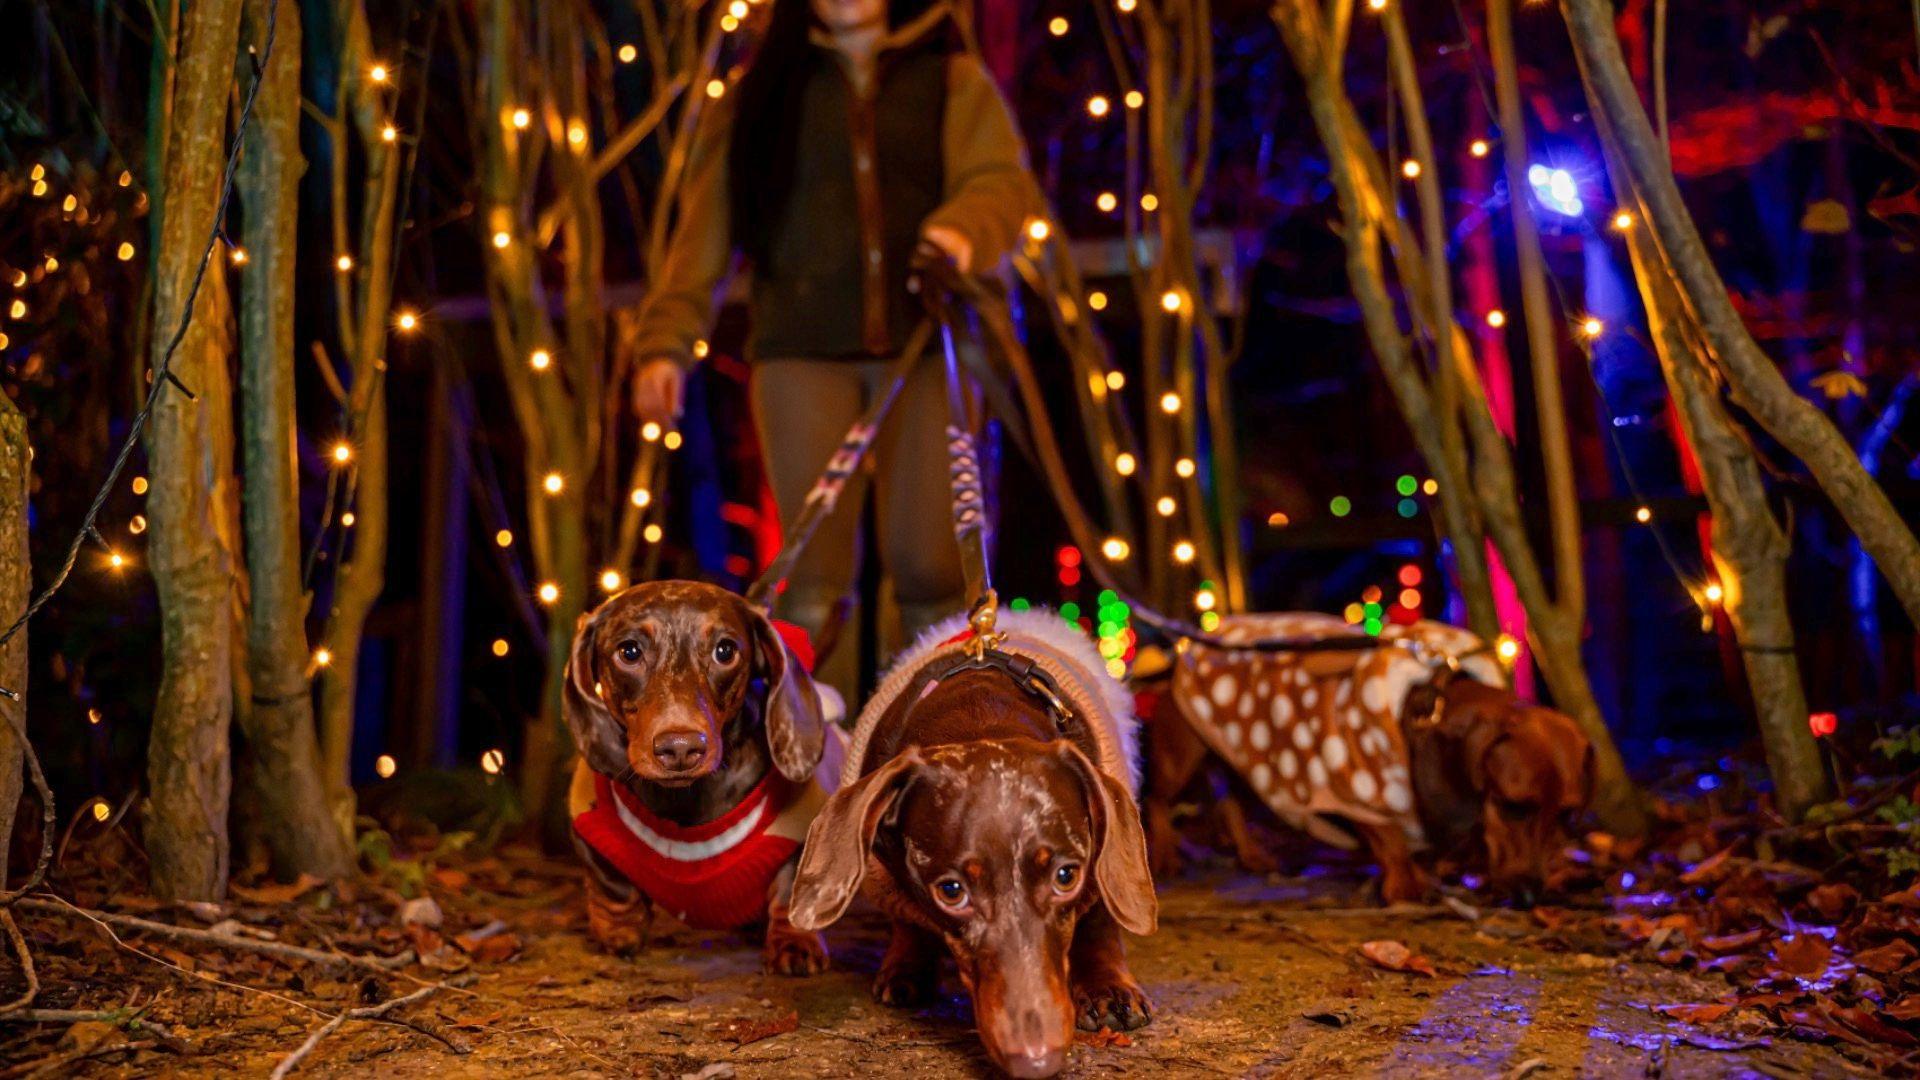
[
  {"x": 678, "y": 308},
  {"x": 989, "y": 192}
]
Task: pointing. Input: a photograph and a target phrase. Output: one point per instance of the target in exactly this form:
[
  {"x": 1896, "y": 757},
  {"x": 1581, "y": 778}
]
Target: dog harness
[{"x": 713, "y": 876}]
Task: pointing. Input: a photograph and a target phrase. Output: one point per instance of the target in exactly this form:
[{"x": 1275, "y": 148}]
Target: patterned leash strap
[
  {"x": 825, "y": 494},
  {"x": 971, "y": 529}
]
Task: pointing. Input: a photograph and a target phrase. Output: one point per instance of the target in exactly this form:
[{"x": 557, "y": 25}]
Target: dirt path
[{"x": 1249, "y": 977}]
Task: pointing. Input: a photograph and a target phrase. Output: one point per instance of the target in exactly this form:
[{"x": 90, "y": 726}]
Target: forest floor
[{"x": 1250, "y": 976}]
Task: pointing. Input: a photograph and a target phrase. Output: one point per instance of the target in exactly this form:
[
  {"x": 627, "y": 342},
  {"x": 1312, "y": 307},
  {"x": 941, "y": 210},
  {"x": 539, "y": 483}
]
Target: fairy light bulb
[
  {"x": 385, "y": 766},
  {"x": 1098, "y": 106},
  {"x": 101, "y": 811},
  {"x": 1114, "y": 548},
  {"x": 407, "y": 321},
  {"x": 640, "y": 497},
  {"x": 652, "y": 533},
  {"x": 1125, "y": 464},
  {"x": 347, "y": 519},
  {"x": 126, "y": 251},
  {"x": 1184, "y": 468},
  {"x": 1165, "y": 506},
  {"x": 116, "y": 561},
  {"x": 1038, "y": 230},
  {"x": 1479, "y": 148},
  {"x": 1116, "y": 380},
  {"x": 378, "y": 73},
  {"x": 389, "y": 133},
  {"x": 541, "y": 360},
  {"x": 493, "y": 761},
  {"x": 139, "y": 485},
  {"x": 1135, "y": 99},
  {"x": 1643, "y": 514},
  {"x": 650, "y": 431},
  {"x": 671, "y": 440},
  {"x": 610, "y": 580},
  {"x": 521, "y": 119},
  {"x": 549, "y": 593},
  {"x": 1106, "y": 202},
  {"x": 554, "y": 483},
  {"x": 1496, "y": 318},
  {"x": 1058, "y": 26},
  {"x": 1183, "y": 552},
  {"x": 1169, "y": 403},
  {"x": 1376, "y": 5},
  {"x": 1623, "y": 221},
  {"x": 501, "y": 239},
  {"x": 1410, "y": 169},
  {"x": 1149, "y": 202},
  {"x": 342, "y": 452},
  {"x": 1591, "y": 328},
  {"x": 1171, "y": 301},
  {"x": 1204, "y": 600},
  {"x": 343, "y": 264},
  {"x": 322, "y": 656},
  {"x": 1507, "y": 648},
  {"x": 1713, "y": 592},
  {"x": 503, "y": 538},
  {"x": 501, "y": 647},
  {"x": 577, "y": 134},
  {"x": 628, "y": 54},
  {"x": 716, "y": 87},
  {"x": 137, "y": 524},
  {"x": 1097, "y": 300}
]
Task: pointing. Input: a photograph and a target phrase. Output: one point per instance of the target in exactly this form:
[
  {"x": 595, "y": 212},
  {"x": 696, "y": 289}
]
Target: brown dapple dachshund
[
  {"x": 1389, "y": 743},
  {"x": 700, "y": 734},
  {"x": 975, "y": 824}
]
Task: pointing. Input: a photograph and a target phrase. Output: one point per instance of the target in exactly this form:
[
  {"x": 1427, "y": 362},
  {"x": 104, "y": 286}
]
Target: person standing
[{"x": 860, "y": 139}]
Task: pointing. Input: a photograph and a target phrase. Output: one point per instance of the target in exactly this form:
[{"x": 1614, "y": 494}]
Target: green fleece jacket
[{"x": 869, "y": 180}]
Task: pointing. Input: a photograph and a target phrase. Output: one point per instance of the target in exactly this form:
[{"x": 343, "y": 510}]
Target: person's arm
[
  {"x": 678, "y": 308},
  {"x": 989, "y": 192}
]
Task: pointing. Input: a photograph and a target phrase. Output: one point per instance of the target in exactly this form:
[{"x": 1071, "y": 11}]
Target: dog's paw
[
  {"x": 794, "y": 952},
  {"x": 620, "y": 929},
  {"x": 1117, "y": 1004},
  {"x": 904, "y": 987}
]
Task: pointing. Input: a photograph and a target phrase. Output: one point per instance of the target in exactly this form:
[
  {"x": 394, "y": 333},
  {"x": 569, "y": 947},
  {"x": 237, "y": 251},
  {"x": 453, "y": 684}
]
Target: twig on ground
[
  {"x": 370, "y": 1012},
  {"x": 20, "y": 950},
  {"x": 278, "y": 950},
  {"x": 54, "y": 1064}
]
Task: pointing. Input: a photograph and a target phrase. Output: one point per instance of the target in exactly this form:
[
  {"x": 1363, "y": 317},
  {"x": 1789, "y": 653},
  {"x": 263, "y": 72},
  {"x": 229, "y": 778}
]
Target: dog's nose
[
  {"x": 679, "y": 751},
  {"x": 1036, "y": 1062}
]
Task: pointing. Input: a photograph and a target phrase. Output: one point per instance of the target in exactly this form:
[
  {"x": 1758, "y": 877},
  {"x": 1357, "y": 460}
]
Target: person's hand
[
  {"x": 950, "y": 243},
  {"x": 659, "y": 390}
]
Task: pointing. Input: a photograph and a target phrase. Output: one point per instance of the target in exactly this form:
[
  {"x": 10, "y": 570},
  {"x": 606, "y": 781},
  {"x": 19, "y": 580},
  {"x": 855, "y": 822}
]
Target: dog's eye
[
  {"x": 951, "y": 893},
  {"x": 1066, "y": 878},
  {"x": 629, "y": 652},
  {"x": 726, "y": 651}
]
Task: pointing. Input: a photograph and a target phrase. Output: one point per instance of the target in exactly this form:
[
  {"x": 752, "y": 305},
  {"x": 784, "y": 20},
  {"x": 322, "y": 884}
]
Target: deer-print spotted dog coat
[{"x": 1316, "y": 734}]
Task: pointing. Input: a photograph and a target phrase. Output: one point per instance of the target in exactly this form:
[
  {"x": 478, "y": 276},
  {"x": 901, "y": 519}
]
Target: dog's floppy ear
[
  {"x": 1120, "y": 865},
  {"x": 796, "y": 731},
  {"x": 580, "y": 702},
  {"x": 838, "y": 843}
]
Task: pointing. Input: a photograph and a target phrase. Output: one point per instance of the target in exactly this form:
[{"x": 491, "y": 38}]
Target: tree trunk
[
  {"x": 299, "y": 831},
  {"x": 1543, "y": 344},
  {"x": 1370, "y": 218},
  {"x": 16, "y": 589},
  {"x": 1749, "y": 549},
  {"x": 192, "y": 557},
  {"x": 1755, "y": 383},
  {"x": 362, "y": 574}
]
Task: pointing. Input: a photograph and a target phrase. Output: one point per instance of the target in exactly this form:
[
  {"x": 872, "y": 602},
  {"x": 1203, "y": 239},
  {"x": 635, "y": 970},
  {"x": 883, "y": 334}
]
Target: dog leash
[{"x": 825, "y": 493}]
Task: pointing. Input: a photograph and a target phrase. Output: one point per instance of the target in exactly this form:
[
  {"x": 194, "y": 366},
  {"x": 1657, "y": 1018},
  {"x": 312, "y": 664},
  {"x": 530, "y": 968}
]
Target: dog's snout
[
  {"x": 1039, "y": 1062},
  {"x": 680, "y": 751}
]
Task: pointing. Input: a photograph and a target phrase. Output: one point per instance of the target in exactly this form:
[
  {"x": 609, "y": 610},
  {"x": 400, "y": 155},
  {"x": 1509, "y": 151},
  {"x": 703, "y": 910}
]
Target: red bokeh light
[
  {"x": 1410, "y": 575},
  {"x": 1068, "y": 555},
  {"x": 1823, "y": 724}
]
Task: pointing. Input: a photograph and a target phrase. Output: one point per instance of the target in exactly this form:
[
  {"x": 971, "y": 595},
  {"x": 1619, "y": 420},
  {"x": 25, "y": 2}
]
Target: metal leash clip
[{"x": 981, "y": 620}]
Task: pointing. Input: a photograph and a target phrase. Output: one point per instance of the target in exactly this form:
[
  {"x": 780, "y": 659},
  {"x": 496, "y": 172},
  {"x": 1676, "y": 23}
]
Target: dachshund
[
  {"x": 1414, "y": 739},
  {"x": 991, "y": 812},
  {"x": 705, "y": 750}
]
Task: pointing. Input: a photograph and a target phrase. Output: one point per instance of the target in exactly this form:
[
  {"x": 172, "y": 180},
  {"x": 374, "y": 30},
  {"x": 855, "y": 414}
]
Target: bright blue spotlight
[{"x": 1556, "y": 190}]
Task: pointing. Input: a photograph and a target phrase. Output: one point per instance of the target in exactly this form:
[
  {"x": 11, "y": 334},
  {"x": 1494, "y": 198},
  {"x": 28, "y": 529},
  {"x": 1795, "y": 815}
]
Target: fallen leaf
[
  {"x": 1709, "y": 869},
  {"x": 1395, "y": 956},
  {"x": 1104, "y": 1037},
  {"x": 1833, "y": 901},
  {"x": 1886, "y": 959},
  {"x": 1727, "y": 943},
  {"x": 1803, "y": 956},
  {"x": 1907, "y": 1008},
  {"x": 276, "y": 893},
  {"x": 490, "y": 949},
  {"x": 1694, "y": 1014},
  {"x": 744, "y": 1030}
]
